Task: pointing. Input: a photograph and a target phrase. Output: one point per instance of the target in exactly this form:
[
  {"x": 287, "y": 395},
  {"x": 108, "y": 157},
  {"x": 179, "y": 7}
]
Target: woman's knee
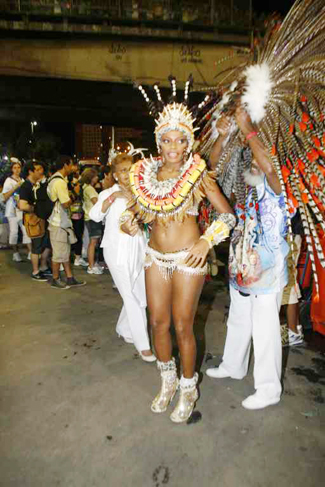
[
  {"x": 184, "y": 327},
  {"x": 159, "y": 324}
]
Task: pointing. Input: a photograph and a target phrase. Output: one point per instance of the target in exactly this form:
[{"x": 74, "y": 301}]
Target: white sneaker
[
  {"x": 17, "y": 257},
  {"x": 80, "y": 262},
  {"x": 217, "y": 372},
  {"x": 29, "y": 256},
  {"x": 295, "y": 338},
  {"x": 256, "y": 401},
  {"x": 94, "y": 270},
  {"x": 99, "y": 266}
]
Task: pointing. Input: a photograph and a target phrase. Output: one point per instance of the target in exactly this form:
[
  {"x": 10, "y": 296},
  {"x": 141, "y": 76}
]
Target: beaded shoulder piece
[{"x": 169, "y": 199}]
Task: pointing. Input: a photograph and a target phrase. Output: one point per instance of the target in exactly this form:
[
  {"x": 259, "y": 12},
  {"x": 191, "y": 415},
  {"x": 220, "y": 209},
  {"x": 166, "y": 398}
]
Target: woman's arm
[
  {"x": 104, "y": 201},
  {"x": 9, "y": 193},
  {"x": 217, "y": 232},
  {"x": 217, "y": 199}
]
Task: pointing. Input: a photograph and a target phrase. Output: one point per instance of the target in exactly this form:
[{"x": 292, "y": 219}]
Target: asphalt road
[{"x": 75, "y": 400}]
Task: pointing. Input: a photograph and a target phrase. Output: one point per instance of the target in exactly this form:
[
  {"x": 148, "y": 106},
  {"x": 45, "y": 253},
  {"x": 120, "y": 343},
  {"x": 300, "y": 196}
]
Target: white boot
[
  {"x": 187, "y": 399},
  {"x": 169, "y": 386}
]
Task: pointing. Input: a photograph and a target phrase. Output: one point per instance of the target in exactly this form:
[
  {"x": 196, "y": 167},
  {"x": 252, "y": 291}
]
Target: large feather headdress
[{"x": 283, "y": 89}]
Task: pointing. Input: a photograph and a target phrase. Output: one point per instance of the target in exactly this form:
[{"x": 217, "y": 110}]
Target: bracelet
[
  {"x": 219, "y": 230},
  {"x": 251, "y": 134}
]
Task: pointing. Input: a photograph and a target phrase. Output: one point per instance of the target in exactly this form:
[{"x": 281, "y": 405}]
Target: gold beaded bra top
[{"x": 169, "y": 200}]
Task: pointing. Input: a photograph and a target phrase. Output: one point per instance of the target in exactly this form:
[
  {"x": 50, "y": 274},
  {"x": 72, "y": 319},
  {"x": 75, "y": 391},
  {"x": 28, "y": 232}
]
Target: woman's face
[
  {"x": 16, "y": 169},
  {"x": 173, "y": 146},
  {"x": 122, "y": 173}
]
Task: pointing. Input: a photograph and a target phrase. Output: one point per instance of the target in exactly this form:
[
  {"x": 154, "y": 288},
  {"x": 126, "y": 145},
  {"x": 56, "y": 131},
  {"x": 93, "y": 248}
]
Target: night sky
[{"x": 281, "y": 6}]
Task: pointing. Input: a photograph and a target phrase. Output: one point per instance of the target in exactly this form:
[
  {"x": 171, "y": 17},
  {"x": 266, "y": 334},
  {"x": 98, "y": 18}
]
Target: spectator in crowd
[
  {"x": 60, "y": 224},
  {"x": 4, "y": 227},
  {"x": 30, "y": 202},
  {"x": 77, "y": 217},
  {"x": 258, "y": 275},
  {"x": 291, "y": 332},
  {"x": 14, "y": 215},
  {"x": 89, "y": 179},
  {"x": 107, "y": 179},
  {"x": 124, "y": 256}
]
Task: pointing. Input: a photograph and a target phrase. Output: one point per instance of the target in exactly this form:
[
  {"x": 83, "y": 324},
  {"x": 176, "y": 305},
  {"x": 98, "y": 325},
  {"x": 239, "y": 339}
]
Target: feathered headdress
[
  {"x": 173, "y": 115},
  {"x": 283, "y": 89}
]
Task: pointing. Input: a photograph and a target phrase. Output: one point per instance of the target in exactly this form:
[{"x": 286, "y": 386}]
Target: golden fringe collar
[{"x": 170, "y": 198}]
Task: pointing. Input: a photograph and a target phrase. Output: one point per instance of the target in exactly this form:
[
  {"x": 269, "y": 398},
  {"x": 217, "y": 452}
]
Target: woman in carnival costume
[{"x": 165, "y": 193}]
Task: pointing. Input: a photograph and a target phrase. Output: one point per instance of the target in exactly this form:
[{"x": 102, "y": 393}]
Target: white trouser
[
  {"x": 4, "y": 233},
  {"x": 14, "y": 223},
  {"x": 257, "y": 317},
  {"x": 132, "y": 322}
]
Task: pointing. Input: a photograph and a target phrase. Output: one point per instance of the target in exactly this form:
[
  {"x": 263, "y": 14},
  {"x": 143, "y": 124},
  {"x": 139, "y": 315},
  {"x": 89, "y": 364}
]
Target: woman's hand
[
  {"x": 197, "y": 254},
  {"x": 130, "y": 227}
]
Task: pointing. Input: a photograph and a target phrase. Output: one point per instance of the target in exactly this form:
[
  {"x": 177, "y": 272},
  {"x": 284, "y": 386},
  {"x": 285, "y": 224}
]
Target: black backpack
[{"x": 43, "y": 204}]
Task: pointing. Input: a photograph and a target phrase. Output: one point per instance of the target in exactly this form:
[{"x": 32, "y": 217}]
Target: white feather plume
[{"x": 257, "y": 91}]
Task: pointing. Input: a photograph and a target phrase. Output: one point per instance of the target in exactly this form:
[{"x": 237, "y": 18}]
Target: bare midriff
[{"x": 174, "y": 236}]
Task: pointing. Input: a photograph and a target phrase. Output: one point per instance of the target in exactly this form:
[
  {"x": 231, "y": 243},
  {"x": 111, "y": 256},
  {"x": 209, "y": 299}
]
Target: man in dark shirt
[{"x": 29, "y": 202}]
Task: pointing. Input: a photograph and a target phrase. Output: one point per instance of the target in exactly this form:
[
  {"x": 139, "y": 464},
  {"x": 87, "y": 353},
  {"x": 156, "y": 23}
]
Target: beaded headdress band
[{"x": 174, "y": 115}]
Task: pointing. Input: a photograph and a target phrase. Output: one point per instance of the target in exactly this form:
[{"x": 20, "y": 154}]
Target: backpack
[{"x": 43, "y": 204}]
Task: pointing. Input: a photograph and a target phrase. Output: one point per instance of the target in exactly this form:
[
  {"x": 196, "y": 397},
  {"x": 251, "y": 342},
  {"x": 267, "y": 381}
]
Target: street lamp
[{"x": 33, "y": 124}]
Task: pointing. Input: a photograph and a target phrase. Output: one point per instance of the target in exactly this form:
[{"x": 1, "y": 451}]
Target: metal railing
[{"x": 195, "y": 12}]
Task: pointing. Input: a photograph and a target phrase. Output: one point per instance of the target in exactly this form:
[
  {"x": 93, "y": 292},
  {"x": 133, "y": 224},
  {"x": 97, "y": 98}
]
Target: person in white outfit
[
  {"x": 258, "y": 275},
  {"x": 15, "y": 216},
  {"x": 124, "y": 256}
]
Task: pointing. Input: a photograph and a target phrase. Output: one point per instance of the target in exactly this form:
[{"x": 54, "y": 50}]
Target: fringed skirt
[{"x": 173, "y": 261}]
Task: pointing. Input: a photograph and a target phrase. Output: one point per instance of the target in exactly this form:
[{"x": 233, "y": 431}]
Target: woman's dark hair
[{"x": 14, "y": 164}]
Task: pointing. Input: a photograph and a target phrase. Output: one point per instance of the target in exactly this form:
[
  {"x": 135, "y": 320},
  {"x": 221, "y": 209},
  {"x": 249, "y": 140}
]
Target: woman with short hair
[
  {"x": 88, "y": 181},
  {"x": 15, "y": 216}
]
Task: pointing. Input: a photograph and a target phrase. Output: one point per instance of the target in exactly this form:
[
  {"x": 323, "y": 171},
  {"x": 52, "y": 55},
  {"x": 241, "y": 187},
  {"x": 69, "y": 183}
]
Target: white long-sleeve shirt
[{"x": 124, "y": 250}]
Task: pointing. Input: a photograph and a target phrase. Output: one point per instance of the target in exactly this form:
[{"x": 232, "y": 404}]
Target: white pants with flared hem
[
  {"x": 14, "y": 223},
  {"x": 132, "y": 322},
  {"x": 255, "y": 317}
]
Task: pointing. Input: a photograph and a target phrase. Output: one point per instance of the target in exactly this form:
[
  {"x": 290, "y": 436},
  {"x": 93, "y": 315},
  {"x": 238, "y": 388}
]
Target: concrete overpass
[{"x": 42, "y": 54}]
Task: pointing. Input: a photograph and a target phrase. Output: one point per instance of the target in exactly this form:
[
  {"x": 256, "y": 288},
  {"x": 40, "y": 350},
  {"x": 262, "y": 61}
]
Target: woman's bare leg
[
  {"x": 159, "y": 298},
  {"x": 91, "y": 251},
  {"x": 293, "y": 317},
  {"x": 185, "y": 298}
]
